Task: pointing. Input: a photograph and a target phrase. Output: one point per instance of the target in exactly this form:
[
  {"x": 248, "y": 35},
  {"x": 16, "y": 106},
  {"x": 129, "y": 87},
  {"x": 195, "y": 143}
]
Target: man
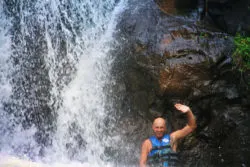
[{"x": 159, "y": 150}]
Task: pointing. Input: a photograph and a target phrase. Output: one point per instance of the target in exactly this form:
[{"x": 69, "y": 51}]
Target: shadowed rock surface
[{"x": 231, "y": 16}]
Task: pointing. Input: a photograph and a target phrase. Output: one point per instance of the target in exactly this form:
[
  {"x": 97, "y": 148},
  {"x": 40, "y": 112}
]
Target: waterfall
[
  {"x": 5, "y": 72},
  {"x": 55, "y": 66}
]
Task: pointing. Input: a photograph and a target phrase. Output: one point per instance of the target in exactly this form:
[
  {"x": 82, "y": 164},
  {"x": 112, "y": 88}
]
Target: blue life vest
[{"x": 161, "y": 154}]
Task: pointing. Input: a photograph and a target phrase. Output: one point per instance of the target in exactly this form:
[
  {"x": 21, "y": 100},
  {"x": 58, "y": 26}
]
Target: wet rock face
[
  {"x": 167, "y": 59},
  {"x": 176, "y": 6},
  {"x": 229, "y": 15}
]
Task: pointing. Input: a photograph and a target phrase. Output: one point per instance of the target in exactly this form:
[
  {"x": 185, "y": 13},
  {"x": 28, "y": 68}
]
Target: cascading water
[
  {"x": 5, "y": 89},
  {"x": 54, "y": 67}
]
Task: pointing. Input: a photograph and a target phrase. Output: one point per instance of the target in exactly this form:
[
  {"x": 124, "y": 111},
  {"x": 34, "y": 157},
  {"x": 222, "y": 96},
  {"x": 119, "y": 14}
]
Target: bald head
[
  {"x": 159, "y": 122},
  {"x": 159, "y": 127}
]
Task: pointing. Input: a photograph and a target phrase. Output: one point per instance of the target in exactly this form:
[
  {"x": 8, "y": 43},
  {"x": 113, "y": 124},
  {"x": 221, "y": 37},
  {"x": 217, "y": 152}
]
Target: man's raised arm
[{"x": 191, "y": 125}]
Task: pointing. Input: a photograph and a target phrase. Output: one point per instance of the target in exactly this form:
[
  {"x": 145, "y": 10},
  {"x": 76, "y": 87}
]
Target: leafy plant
[{"x": 241, "y": 55}]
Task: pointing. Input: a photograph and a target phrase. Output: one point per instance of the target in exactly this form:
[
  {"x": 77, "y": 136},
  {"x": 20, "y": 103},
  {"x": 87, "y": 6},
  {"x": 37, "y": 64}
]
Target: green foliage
[{"x": 241, "y": 55}]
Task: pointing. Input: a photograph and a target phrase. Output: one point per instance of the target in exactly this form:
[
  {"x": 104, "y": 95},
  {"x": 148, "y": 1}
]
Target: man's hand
[{"x": 182, "y": 108}]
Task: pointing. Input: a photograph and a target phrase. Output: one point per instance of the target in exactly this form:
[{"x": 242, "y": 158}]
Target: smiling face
[{"x": 159, "y": 127}]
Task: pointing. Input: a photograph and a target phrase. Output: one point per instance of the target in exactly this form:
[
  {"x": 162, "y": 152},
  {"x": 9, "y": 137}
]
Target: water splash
[
  {"x": 81, "y": 116},
  {"x": 60, "y": 60}
]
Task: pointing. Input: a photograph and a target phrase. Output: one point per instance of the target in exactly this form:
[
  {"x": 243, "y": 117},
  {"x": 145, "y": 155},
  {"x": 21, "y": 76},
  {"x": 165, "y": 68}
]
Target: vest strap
[
  {"x": 161, "y": 147},
  {"x": 164, "y": 157}
]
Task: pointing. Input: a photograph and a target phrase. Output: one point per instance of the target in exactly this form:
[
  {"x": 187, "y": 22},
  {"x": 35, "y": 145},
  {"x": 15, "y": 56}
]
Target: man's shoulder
[
  {"x": 147, "y": 142},
  {"x": 147, "y": 145}
]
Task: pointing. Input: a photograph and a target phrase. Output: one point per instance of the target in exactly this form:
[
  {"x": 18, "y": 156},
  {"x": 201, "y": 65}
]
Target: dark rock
[
  {"x": 176, "y": 6},
  {"x": 230, "y": 15},
  {"x": 167, "y": 59}
]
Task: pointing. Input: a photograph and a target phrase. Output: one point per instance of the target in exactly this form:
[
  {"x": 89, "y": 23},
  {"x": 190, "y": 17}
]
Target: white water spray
[
  {"x": 5, "y": 71},
  {"x": 81, "y": 115},
  {"x": 78, "y": 39}
]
